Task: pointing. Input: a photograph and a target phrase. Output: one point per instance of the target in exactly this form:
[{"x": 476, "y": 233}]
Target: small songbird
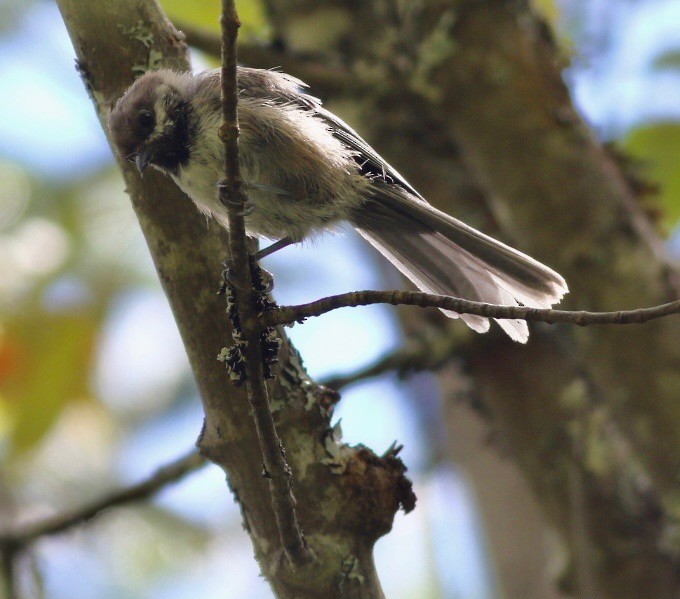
[{"x": 304, "y": 171}]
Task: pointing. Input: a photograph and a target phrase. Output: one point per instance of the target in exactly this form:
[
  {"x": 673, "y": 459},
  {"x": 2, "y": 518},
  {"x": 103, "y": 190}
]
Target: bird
[{"x": 306, "y": 171}]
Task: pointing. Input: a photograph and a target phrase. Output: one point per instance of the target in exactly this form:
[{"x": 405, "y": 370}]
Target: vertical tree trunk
[{"x": 347, "y": 496}]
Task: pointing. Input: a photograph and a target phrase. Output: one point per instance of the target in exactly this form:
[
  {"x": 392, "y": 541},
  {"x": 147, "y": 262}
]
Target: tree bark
[
  {"x": 525, "y": 551},
  {"x": 597, "y": 405},
  {"x": 466, "y": 98},
  {"x": 347, "y": 496}
]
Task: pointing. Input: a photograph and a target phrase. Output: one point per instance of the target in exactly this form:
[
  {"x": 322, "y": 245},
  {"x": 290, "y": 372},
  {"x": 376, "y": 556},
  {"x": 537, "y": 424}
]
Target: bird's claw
[{"x": 248, "y": 208}]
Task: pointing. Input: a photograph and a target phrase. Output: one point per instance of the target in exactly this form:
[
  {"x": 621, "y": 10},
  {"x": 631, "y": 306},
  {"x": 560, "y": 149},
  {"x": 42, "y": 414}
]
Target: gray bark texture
[
  {"x": 467, "y": 100},
  {"x": 346, "y": 496}
]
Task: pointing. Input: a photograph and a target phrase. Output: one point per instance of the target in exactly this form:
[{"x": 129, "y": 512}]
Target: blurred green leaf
[
  {"x": 206, "y": 14},
  {"x": 657, "y": 147},
  {"x": 46, "y": 363},
  {"x": 47, "y": 344},
  {"x": 550, "y": 10},
  {"x": 669, "y": 60}
]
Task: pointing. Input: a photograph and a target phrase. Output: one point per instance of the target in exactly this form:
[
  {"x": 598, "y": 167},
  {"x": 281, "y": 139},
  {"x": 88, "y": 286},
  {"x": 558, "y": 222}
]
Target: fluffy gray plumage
[{"x": 305, "y": 170}]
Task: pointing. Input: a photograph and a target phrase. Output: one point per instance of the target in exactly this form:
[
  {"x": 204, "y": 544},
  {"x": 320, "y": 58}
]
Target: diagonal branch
[
  {"x": 170, "y": 473},
  {"x": 233, "y": 197},
  {"x": 414, "y": 356},
  {"x": 290, "y": 314},
  {"x": 340, "y": 529}
]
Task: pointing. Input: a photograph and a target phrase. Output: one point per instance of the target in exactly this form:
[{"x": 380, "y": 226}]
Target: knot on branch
[
  {"x": 228, "y": 131},
  {"x": 231, "y": 23},
  {"x": 376, "y": 485},
  {"x": 379, "y": 487}
]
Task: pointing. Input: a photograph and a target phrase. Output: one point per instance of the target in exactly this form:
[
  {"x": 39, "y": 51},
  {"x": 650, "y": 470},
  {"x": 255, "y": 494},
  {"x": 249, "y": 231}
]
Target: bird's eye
[{"x": 146, "y": 119}]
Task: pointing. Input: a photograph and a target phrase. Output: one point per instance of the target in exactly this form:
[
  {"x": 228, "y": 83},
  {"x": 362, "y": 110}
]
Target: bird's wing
[{"x": 285, "y": 89}]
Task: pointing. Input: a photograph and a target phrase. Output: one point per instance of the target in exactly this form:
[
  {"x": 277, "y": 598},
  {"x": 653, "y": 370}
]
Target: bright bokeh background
[{"x": 95, "y": 389}]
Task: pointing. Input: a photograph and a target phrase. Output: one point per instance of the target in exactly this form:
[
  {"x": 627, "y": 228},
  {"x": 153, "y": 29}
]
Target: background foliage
[{"x": 95, "y": 391}]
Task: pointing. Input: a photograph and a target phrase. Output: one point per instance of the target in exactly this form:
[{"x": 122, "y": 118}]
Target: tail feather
[{"x": 442, "y": 255}]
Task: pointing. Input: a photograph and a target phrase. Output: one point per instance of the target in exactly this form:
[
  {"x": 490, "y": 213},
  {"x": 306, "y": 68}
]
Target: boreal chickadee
[{"x": 305, "y": 170}]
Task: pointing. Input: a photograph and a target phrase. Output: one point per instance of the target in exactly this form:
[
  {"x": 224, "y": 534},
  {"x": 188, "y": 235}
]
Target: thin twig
[
  {"x": 324, "y": 74},
  {"x": 61, "y": 522},
  {"x": 289, "y": 314},
  {"x": 233, "y": 197}
]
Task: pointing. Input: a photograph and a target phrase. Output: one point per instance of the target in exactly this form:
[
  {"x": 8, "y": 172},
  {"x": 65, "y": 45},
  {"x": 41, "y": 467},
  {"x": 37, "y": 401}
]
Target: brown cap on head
[{"x": 129, "y": 120}]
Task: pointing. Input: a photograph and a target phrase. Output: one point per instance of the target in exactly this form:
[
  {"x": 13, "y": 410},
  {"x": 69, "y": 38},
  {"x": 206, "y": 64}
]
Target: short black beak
[{"x": 142, "y": 159}]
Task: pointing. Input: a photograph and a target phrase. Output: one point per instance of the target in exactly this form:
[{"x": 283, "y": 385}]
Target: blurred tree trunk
[
  {"x": 346, "y": 496},
  {"x": 466, "y": 98},
  {"x": 526, "y": 552}
]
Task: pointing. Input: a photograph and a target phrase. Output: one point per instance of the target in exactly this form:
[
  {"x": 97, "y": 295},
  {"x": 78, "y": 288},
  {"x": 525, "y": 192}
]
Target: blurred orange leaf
[{"x": 45, "y": 363}]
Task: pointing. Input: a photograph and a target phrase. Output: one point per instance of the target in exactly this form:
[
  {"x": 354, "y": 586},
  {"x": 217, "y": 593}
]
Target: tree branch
[
  {"x": 321, "y": 72},
  {"x": 17, "y": 539},
  {"x": 415, "y": 355},
  {"x": 361, "y": 491},
  {"x": 289, "y": 314},
  {"x": 233, "y": 197}
]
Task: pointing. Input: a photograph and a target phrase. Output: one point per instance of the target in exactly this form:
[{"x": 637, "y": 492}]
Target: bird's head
[{"x": 151, "y": 123}]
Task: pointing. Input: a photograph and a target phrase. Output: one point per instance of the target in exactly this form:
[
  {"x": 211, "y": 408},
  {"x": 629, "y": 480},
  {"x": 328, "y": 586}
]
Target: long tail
[{"x": 443, "y": 255}]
